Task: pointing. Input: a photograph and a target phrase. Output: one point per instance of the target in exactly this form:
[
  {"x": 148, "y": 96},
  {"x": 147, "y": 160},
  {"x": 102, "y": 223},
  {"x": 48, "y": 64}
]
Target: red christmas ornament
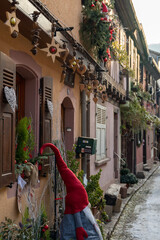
[
  {"x": 46, "y": 227},
  {"x": 102, "y": 19},
  {"x": 53, "y": 49},
  {"x": 25, "y": 161},
  {"x": 108, "y": 51},
  {"x": 105, "y": 18},
  {"x": 92, "y": 5},
  {"x": 105, "y": 59},
  {"x": 43, "y": 229}
]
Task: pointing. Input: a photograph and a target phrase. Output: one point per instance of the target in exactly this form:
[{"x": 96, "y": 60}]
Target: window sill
[{"x": 102, "y": 162}]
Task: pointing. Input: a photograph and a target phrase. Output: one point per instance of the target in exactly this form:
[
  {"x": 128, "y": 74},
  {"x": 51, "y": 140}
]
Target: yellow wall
[{"x": 68, "y": 12}]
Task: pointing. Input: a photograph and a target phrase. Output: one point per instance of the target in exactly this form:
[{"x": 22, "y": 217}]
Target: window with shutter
[
  {"x": 101, "y": 132},
  {"x": 46, "y": 84},
  {"x": 7, "y": 122}
]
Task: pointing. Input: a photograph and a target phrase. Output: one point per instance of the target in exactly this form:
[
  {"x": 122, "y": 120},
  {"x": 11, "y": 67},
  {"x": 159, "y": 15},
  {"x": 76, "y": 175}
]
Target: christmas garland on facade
[{"x": 97, "y": 29}]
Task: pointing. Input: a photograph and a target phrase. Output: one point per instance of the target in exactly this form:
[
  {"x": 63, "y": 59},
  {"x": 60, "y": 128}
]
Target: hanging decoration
[
  {"x": 81, "y": 69},
  {"x": 35, "y": 33},
  {"x": 82, "y": 83},
  {"x": 63, "y": 75},
  {"x": 104, "y": 97},
  {"x": 50, "y": 107},
  {"x": 12, "y": 20},
  {"x": 10, "y": 97},
  {"x": 64, "y": 54},
  {"x": 53, "y": 49},
  {"x": 74, "y": 62}
]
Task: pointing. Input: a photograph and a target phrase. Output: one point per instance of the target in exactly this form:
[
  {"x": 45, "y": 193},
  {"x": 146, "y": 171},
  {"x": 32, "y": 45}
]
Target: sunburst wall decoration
[{"x": 53, "y": 49}]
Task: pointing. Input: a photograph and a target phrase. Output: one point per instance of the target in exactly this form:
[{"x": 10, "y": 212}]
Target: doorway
[
  {"x": 67, "y": 123},
  {"x": 116, "y": 145},
  {"x": 144, "y": 147}
]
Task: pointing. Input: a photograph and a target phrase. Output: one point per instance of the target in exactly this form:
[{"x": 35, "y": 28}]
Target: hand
[{"x": 81, "y": 233}]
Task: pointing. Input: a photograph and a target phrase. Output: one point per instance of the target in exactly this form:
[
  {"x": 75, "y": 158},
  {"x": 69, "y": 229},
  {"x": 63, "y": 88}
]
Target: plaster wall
[
  {"x": 41, "y": 66},
  {"x": 67, "y": 12},
  {"x": 107, "y": 175}
]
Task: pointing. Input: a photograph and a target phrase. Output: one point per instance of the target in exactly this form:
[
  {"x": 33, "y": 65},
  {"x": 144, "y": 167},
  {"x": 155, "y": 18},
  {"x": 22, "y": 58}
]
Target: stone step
[{"x": 146, "y": 167}]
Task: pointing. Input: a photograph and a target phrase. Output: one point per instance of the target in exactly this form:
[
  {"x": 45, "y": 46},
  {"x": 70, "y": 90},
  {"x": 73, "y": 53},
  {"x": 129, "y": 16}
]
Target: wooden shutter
[
  {"x": 7, "y": 122},
  {"x": 46, "y": 84},
  {"x": 101, "y": 132}
]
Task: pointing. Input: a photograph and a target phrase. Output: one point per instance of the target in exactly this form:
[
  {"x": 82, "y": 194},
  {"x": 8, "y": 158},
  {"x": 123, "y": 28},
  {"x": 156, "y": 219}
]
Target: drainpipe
[
  {"x": 135, "y": 155},
  {"x": 133, "y": 152},
  {"x": 83, "y": 128}
]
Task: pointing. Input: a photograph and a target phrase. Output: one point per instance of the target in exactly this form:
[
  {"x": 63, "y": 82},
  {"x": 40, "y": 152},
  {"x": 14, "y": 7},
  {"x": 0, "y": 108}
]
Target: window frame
[{"x": 101, "y": 153}]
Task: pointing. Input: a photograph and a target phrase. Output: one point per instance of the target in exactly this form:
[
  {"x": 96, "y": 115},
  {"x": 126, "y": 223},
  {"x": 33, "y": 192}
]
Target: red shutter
[
  {"x": 45, "y": 116},
  {"x": 7, "y": 122}
]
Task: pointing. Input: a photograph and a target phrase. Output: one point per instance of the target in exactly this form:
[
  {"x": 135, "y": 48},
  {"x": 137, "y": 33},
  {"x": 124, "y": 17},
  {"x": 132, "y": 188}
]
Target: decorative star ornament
[
  {"x": 74, "y": 63},
  {"x": 53, "y": 50},
  {"x": 12, "y": 21}
]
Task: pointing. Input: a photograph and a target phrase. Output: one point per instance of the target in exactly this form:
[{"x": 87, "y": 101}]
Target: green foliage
[
  {"x": 124, "y": 171},
  {"x": 28, "y": 229},
  {"x": 104, "y": 216},
  {"x": 100, "y": 224},
  {"x": 129, "y": 178},
  {"x": 95, "y": 193},
  {"x": 80, "y": 177},
  {"x": 135, "y": 116},
  {"x": 121, "y": 55},
  {"x": 95, "y": 33},
  {"x": 25, "y": 140},
  {"x": 72, "y": 162}
]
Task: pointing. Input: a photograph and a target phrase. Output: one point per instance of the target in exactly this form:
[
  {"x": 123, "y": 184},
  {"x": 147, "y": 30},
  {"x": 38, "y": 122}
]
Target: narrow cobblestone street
[{"x": 141, "y": 217}]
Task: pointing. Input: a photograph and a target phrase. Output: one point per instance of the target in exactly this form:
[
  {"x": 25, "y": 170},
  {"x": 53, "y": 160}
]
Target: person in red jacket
[{"x": 78, "y": 221}]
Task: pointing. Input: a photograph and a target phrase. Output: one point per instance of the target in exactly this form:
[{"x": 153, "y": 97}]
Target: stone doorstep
[{"x": 140, "y": 175}]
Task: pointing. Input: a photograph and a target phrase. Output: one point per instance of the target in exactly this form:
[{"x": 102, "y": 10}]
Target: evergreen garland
[
  {"x": 96, "y": 30},
  {"x": 25, "y": 140}
]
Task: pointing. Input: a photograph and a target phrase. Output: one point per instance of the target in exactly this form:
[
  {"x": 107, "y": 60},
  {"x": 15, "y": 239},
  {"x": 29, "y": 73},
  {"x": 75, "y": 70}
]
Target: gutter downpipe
[{"x": 83, "y": 128}]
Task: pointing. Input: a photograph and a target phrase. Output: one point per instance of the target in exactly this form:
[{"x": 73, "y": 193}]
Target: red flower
[
  {"x": 29, "y": 127},
  {"x": 25, "y": 149}
]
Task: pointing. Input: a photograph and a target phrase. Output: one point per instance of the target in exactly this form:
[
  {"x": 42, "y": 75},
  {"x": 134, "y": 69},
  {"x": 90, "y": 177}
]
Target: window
[{"x": 101, "y": 132}]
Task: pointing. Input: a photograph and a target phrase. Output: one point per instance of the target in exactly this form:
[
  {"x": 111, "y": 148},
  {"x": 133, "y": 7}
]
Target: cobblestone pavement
[{"x": 141, "y": 217}]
